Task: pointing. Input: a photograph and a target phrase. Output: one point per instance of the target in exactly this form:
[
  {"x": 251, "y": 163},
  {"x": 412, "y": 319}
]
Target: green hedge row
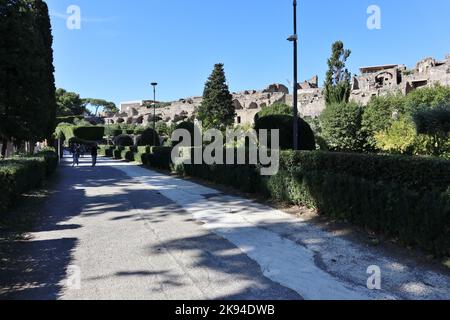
[
  {"x": 19, "y": 175},
  {"x": 401, "y": 197}
]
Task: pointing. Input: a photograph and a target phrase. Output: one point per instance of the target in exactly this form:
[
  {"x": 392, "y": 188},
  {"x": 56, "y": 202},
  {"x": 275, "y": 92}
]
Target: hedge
[
  {"x": 285, "y": 123},
  {"x": 149, "y": 137},
  {"x": 123, "y": 140},
  {"x": 90, "y": 133},
  {"x": 401, "y": 197},
  {"x": 19, "y": 175}
]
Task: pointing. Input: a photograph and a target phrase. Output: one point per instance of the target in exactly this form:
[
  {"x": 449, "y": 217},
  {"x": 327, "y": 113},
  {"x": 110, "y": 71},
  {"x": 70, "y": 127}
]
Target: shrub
[
  {"x": 127, "y": 154},
  {"x": 159, "y": 157},
  {"x": 20, "y": 175},
  {"x": 89, "y": 133},
  {"x": 149, "y": 137},
  {"x": 379, "y": 115},
  {"x": 341, "y": 127},
  {"x": 275, "y": 109},
  {"x": 113, "y": 130},
  {"x": 402, "y": 197},
  {"x": 123, "y": 140},
  {"x": 427, "y": 98},
  {"x": 284, "y": 123}
]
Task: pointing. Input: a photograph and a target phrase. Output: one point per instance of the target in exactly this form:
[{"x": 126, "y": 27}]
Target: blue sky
[{"x": 122, "y": 46}]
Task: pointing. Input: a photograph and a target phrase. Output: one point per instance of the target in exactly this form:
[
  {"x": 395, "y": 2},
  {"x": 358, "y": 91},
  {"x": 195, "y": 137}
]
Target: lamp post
[
  {"x": 154, "y": 84},
  {"x": 294, "y": 39}
]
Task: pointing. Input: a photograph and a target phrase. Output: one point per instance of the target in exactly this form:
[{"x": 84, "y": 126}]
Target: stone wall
[{"x": 372, "y": 81}]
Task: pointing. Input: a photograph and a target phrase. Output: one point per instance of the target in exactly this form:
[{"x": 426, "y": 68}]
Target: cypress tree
[
  {"x": 337, "y": 84},
  {"x": 27, "y": 93},
  {"x": 217, "y": 109}
]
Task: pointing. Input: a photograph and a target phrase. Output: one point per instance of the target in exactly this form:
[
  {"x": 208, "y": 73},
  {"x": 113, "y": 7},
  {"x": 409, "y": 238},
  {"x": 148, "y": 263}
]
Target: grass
[{"x": 447, "y": 263}]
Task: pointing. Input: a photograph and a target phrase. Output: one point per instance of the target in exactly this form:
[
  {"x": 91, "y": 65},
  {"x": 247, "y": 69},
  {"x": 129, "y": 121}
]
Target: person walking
[
  {"x": 94, "y": 154},
  {"x": 76, "y": 155}
]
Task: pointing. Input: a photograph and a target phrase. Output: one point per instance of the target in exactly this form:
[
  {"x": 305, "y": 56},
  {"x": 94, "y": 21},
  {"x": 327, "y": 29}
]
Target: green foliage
[
  {"x": 427, "y": 98},
  {"x": 84, "y": 134},
  {"x": 341, "y": 125},
  {"x": 217, "y": 110},
  {"x": 275, "y": 109},
  {"x": 149, "y": 137},
  {"x": 402, "y": 138},
  {"x": 69, "y": 103},
  {"x": 68, "y": 119},
  {"x": 20, "y": 175},
  {"x": 285, "y": 123},
  {"x": 100, "y": 103},
  {"x": 160, "y": 158},
  {"x": 337, "y": 84},
  {"x": 165, "y": 129},
  {"x": 113, "y": 130},
  {"x": 123, "y": 140},
  {"x": 89, "y": 133},
  {"x": 379, "y": 115},
  {"x": 27, "y": 89},
  {"x": 402, "y": 197}
]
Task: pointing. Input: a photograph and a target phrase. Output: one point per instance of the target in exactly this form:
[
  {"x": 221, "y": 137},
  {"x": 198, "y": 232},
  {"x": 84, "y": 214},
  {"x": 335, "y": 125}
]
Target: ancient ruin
[{"x": 372, "y": 81}]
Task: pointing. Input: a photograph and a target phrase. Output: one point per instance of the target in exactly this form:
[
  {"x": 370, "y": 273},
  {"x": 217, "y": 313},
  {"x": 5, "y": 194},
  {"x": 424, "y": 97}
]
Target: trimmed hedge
[
  {"x": 159, "y": 157},
  {"x": 401, "y": 197},
  {"x": 123, "y": 140},
  {"x": 285, "y": 123},
  {"x": 91, "y": 133},
  {"x": 149, "y": 137},
  {"x": 20, "y": 175}
]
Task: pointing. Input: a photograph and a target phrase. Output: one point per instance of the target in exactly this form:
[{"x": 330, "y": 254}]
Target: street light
[
  {"x": 154, "y": 84},
  {"x": 294, "y": 39}
]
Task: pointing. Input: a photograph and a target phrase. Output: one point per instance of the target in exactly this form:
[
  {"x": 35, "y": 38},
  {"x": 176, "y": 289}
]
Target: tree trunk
[{"x": 4, "y": 146}]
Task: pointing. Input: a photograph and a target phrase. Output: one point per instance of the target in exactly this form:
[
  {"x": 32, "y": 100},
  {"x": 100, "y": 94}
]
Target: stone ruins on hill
[{"x": 373, "y": 81}]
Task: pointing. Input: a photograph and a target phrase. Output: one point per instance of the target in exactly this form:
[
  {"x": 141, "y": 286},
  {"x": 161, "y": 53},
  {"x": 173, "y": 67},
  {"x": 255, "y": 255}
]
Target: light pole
[
  {"x": 294, "y": 39},
  {"x": 154, "y": 84}
]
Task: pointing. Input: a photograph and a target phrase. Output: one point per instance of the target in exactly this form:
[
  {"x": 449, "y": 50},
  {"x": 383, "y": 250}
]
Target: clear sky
[{"x": 122, "y": 46}]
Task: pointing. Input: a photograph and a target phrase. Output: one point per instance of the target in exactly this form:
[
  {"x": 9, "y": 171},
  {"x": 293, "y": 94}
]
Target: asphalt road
[{"x": 118, "y": 231}]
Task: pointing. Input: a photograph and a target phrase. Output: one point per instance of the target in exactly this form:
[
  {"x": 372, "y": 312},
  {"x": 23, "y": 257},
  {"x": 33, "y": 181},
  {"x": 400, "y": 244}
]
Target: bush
[
  {"x": 285, "y": 124},
  {"x": 107, "y": 151},
  {"x": 127, "y": 154},
  {"x": 123, "y": 140},
  {"x": 402, "y": 197},
  {"x": 341, "y": 125},
  {"x": 427, "y": 98},
  {"x": 149, "y": 137},
  {"x": 113, "y": 130},
  {"x": 379, "y": 115},
  {"x": 274, "y": 110},
  {"x": 20, "y": 175},
  {"x": 89, "y": 133},
  {"x": 159, "y": 157}
]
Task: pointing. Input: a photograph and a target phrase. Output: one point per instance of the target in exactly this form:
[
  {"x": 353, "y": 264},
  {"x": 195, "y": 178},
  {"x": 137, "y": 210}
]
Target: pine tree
[
  {"x": 217, "y": 109},
  {"x": 337, "y": 84}
]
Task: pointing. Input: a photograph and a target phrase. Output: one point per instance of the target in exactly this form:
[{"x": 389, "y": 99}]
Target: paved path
[{"x": 136, "y": 234}]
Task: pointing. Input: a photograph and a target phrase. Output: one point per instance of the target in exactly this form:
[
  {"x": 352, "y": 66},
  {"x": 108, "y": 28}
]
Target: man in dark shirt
[{"x": 94, "y": 154}]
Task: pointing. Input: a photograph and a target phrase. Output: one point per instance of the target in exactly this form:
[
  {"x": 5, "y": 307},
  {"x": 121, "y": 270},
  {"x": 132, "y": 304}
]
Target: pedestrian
[
  {"x": 94, "y": 154},
  {"x": 76, "y": 155}
]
